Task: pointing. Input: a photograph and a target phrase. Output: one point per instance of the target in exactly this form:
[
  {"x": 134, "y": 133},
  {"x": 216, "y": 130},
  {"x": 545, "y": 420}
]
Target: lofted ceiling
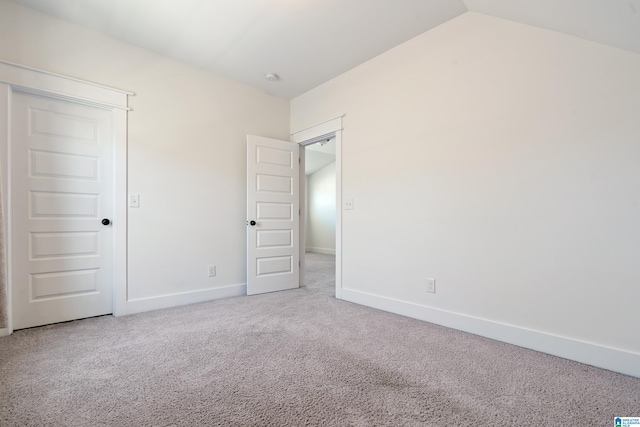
[
  {"x": 319, "y": 155},
  {"x": 308, "y": 42}
]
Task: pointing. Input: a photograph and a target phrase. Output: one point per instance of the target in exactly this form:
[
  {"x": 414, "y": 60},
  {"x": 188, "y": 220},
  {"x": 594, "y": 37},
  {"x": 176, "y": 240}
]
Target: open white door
[{"x": 273, "y": 215}]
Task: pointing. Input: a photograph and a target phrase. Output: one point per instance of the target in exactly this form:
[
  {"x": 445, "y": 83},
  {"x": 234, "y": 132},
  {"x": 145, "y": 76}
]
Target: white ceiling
[
  {"x": 308, "y": 42},
  {"x": 319, "y": 155},
  {"x": 314, "y": 161},
  {"x": 328, "y": 146},
  {"x": 611, "y": 22}
]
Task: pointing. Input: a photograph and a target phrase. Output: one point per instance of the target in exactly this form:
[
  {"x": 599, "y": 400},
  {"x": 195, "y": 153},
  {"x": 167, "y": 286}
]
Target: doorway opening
[
  {"x": 319, "y": 233},
  {"x": 316, "y": 138}
]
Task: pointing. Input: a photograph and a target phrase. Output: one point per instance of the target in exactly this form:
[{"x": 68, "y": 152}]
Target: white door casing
[
  {"x": 328, "y": 129},
  {"x": 16, "y": 78},
  {"x": 273, "y": 215},
  {"x": 62, "y": 175}
]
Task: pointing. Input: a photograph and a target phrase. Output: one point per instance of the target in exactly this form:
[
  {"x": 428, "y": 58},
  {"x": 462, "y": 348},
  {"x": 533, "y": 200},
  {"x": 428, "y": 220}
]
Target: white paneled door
[
  {"x": 61, "y": 207},
  {"x": 273, "y": 219}
]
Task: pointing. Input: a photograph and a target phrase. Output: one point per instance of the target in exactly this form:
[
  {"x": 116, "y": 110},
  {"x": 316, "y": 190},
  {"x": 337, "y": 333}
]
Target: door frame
[
  {"x": 19, "y": 78},
  {"x": 331, "y": 128}
]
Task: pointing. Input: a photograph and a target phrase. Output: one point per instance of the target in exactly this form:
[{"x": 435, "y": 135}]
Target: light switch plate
[
  {"x": 431, "y": 285},
  {"x": 134, "y": 201}
]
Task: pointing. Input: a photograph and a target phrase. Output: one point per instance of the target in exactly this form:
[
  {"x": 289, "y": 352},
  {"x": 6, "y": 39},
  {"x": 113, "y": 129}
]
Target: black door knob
[
  {"x": 252, "y": 223},
  {"x": 106, "y": 221}
]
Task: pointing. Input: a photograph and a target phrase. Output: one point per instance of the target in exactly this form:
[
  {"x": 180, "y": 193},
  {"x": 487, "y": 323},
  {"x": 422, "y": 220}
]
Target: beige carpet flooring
[{"x": 294, "y": 358}]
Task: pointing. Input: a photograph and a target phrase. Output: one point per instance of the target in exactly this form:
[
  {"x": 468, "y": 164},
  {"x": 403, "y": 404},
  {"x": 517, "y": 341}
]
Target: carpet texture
[{"x": 292, "y": 358}]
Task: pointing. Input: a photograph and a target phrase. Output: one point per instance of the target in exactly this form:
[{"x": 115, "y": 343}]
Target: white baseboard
[
  {"x": 592, "y": 354},
  {"x": 326, "y": 251},
  {"x": 4, "y": 332},
  {"x": 175, "y": 300}
]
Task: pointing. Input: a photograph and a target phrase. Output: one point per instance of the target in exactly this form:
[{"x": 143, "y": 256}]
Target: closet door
[{"x": 61, "y": 210}]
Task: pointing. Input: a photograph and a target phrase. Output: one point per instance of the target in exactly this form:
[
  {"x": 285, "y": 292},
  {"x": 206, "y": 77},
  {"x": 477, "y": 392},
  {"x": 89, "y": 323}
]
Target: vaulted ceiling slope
[{"x": 308, "y": 42}]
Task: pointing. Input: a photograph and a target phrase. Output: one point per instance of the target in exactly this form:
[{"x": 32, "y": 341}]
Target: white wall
[
  {"x": 321, "y": 210},
  {"x": 502, "y": 160},
  {"x": 186, "y": 156}
]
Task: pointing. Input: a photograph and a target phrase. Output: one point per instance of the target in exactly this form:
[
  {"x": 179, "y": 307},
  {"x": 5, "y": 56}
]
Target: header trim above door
[
  {"x": 317, "y": 132},
  {"x": 32, "y": 80}
]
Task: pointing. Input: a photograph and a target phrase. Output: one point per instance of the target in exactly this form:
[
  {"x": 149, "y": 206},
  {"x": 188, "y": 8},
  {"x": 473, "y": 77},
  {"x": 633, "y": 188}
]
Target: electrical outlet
[
  {"x": 431, "y": 285},
  {"x": 212, "y": 270},
  {"x": 348, "y": 204}
]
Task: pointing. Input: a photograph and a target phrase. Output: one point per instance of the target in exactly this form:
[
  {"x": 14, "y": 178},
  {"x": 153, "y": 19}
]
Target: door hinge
[
  {"x": 299, "y": 160},
  {"x": 299, "y": 212}
]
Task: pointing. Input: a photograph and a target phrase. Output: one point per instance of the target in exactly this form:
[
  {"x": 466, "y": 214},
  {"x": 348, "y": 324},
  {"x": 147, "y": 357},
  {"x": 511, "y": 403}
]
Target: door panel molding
[
  {"x": 57, "y": 274},
  {"x": 273, "y": 219}
]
